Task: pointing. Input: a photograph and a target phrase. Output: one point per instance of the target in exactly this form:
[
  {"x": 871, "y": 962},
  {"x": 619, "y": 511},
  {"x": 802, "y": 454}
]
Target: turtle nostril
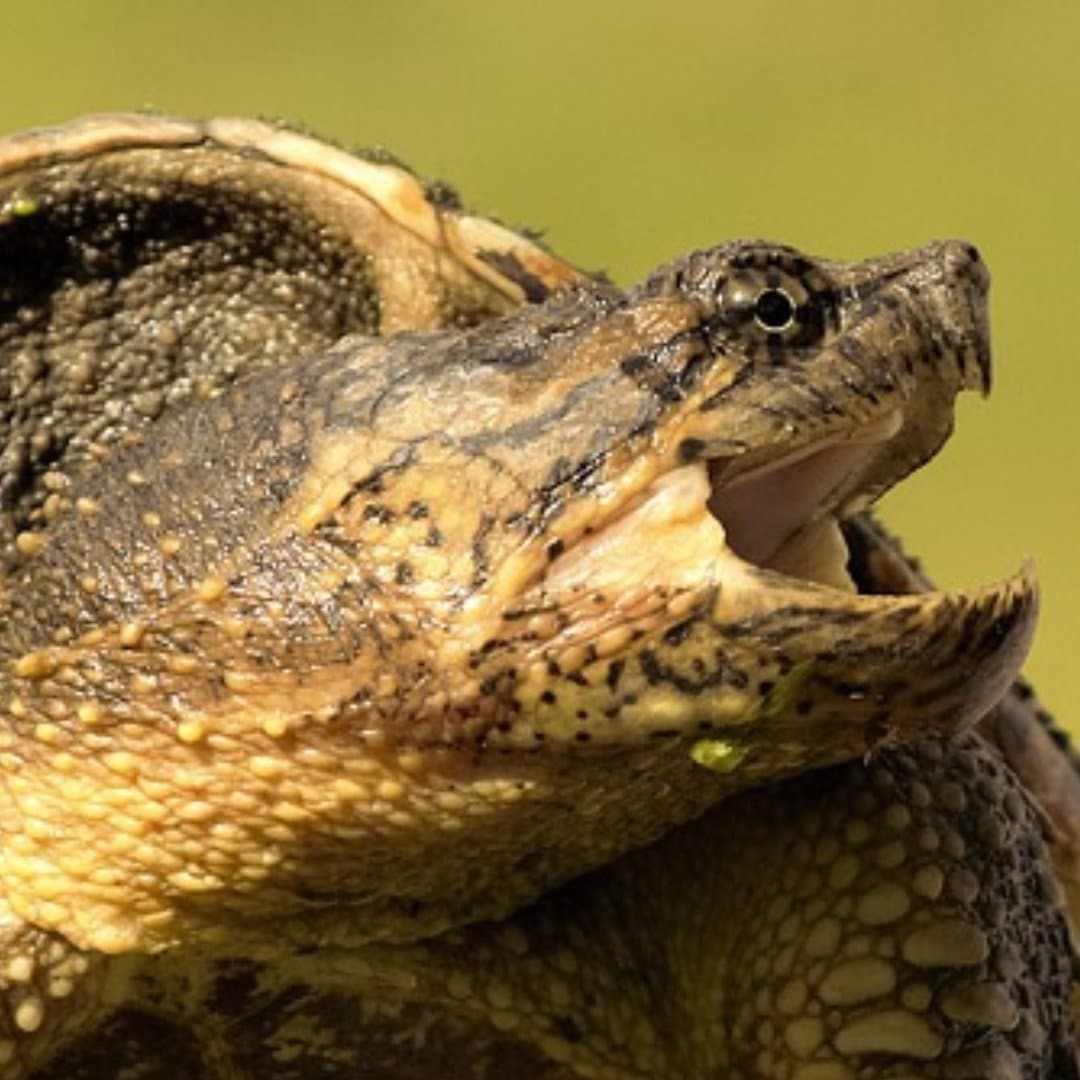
[{"x": 963, "y": 262}]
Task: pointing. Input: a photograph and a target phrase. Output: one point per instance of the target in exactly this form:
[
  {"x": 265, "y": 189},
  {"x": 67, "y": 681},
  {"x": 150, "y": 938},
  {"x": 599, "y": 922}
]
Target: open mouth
[
  {"x": 785, "y": 515},
  {"x": 709, "y": 578},
  {"x": 712, "y": 518},
  {"x": 735, "y": 594}
]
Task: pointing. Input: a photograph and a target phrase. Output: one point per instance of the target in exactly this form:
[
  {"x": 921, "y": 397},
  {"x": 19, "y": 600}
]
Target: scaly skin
[
  {"x": 1036, "y": 748},
  {"x": 394, "y": 636},
  {"x": 893, "y": 920}
]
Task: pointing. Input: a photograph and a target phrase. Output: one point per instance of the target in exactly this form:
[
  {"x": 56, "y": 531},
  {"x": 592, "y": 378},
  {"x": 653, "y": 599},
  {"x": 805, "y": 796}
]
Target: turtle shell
[{"x": 146, "y": 260}]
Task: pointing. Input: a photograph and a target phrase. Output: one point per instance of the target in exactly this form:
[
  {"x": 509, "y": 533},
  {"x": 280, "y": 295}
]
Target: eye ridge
[{"x": 774, "y": 310}]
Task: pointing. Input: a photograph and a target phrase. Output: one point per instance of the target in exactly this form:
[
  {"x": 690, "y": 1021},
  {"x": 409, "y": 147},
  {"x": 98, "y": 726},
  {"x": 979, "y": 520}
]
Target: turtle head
[
  {"x": 357, "y": 613},
  {"x": 668, "y": 559}
]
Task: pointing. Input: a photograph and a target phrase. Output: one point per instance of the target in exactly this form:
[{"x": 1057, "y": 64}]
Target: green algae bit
[
  {"x": 718, "y": 755},
  {"x": 19, "y": 206},
  {"x": 725, "y": 756}
]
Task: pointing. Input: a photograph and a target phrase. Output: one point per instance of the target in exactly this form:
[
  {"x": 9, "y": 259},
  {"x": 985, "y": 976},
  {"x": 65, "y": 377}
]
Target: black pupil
[{"x": 774, "y": 309}]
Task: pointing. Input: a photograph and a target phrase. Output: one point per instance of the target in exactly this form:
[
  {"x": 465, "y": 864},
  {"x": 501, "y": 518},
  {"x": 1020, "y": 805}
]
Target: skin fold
[{"x": 332, "y": 662}]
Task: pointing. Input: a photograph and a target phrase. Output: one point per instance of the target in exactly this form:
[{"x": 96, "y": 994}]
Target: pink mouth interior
[{"x": 765, "y": 508}]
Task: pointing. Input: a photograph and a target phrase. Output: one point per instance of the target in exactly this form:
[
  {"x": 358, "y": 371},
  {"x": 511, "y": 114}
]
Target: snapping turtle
[{"x": 369, "y": 702}]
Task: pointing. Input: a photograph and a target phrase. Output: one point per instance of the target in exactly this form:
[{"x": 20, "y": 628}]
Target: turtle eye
[
  {"x": 774, "y": 310},
  {"x": 777, "y": 298}
]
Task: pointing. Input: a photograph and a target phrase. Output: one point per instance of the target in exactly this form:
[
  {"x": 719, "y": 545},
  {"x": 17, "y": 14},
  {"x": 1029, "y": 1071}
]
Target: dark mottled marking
[
  {"x": 378, "y": 513},
  {"x": 568, "y": 1028},
  {"x": 375, "y": 481},
  {"x": 702, "y": 679},
  {"x": 700, "y": 361},
  {"x": 577, "y": 476},
  {"x": 279, "y": 490},
  {"x": 480, "y": 558},
  {"x": 733, "y": 676},
  {"x": 776, "y": 348},
  {"x": 715, "y": 400},
  {"x": 638, "y": 364},
  {"x": 690, "y": 449},
  {"x": 651, "y": 667},
  {"x": 677, "y": 634},
  {"x": 614, "y": 673},
  {"x": 509, "y": 265}
]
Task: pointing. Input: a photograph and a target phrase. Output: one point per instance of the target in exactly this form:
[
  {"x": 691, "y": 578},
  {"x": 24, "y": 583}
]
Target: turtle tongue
[{"x": 818, "y": 552}]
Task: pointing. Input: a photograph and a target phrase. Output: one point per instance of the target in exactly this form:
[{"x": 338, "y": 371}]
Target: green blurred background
[{"x": 631, "y": 131}]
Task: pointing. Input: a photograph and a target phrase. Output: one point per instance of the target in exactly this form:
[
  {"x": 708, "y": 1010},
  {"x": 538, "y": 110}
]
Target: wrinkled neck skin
[{"x": 468, "y": 599}]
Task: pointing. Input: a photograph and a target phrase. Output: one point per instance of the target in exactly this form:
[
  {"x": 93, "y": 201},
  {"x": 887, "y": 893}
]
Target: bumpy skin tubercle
[
  {"x": 896, "y": 920},
  {"x": 1037, "y": 749},
  {"x": 318, "y": 647}
]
